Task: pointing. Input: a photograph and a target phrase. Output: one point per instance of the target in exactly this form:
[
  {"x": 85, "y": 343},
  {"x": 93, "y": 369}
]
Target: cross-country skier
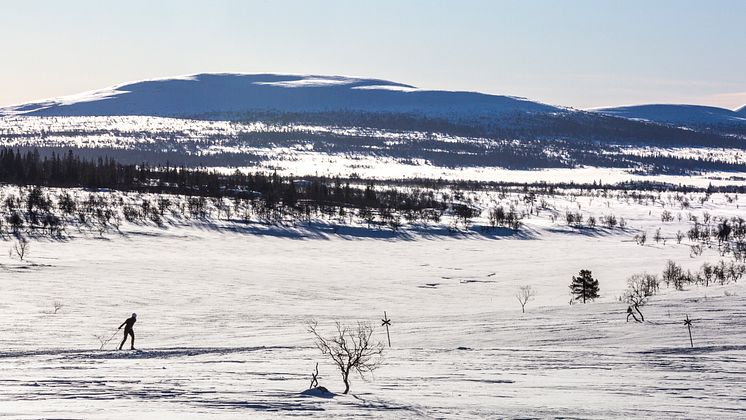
[{"x": 127, "y": 324}]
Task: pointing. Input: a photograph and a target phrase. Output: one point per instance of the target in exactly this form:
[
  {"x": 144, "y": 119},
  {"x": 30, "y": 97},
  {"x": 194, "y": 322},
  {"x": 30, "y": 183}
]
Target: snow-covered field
[
  {"x": 222, "y": 318},
  {"x": 295, "y": 149},
  {"x": 322, "y": 164}
]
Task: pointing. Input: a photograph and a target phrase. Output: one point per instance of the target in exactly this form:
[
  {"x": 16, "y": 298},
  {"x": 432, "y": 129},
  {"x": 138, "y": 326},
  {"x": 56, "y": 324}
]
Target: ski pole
[{"x": 103, "y": 343}]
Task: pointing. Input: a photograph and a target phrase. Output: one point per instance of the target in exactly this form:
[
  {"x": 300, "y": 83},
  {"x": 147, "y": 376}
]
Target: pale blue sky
[{"x": 575, "y": 53}]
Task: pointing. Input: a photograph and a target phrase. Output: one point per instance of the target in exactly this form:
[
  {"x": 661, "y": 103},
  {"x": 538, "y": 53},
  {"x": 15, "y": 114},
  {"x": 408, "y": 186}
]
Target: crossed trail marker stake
[
  {"x": 688, "y": 323},
  {"x": 315, "y": 378},
  {"x": 386, "y": 322}
]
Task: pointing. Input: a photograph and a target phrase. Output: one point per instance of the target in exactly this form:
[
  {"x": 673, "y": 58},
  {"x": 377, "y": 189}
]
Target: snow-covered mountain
[
  {"x": 252, "y": 119},
  {"x": 685, "y": 115},
  {"x": 241, "y": 93},
  {"x": 236, "y": 95},
  {"x": 350, "y": 101}
]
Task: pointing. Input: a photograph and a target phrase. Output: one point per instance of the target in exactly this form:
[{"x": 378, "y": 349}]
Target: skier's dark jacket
[{"x": 129, "y": 322}]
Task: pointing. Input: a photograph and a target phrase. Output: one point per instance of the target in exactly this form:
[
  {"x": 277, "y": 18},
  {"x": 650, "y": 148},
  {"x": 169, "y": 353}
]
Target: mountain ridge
[
  {"x": 683, "y": 114},
  {"x": 237, "y": 92},
  {"x": 340, "y": 100}
]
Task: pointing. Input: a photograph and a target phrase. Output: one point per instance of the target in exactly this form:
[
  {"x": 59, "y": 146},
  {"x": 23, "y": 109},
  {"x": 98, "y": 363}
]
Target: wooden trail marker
[
  {"x": 688, "y": 323},
  {"x": 315, "y": 378},
  {"x": 386, "y": 322}
]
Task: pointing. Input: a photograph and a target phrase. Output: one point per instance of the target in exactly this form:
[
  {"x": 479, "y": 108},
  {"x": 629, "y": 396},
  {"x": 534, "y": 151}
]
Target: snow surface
[
  {"x": 222, "y": 309},
  {"x": 298, "y": 162},
  {"x": 200, "y": 137},
  {"x": 222, "y": 304}
]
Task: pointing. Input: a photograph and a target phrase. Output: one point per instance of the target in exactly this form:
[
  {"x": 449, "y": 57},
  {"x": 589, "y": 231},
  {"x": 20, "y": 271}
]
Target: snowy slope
[
  {"x": 687, "y": 115},
  {"x": 222, "y": 324},
  {"x": 238, "y": 93}
]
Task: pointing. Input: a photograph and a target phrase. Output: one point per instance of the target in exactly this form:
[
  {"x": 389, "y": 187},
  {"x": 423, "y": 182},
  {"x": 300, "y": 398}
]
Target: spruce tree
[{"x": 584, "y": 287}]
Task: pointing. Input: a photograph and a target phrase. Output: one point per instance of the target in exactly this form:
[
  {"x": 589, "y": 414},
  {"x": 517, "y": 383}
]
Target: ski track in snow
[{"x": 221, "y": 324}]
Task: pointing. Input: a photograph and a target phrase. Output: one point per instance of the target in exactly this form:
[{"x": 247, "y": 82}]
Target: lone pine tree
[{"x": 584, "y": 286}]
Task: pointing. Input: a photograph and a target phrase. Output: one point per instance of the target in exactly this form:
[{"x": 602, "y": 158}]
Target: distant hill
[
  {"x": 693, "y": 116},
  {"x": 241, "y": 93},
  {"x": 381, "y": 104}
]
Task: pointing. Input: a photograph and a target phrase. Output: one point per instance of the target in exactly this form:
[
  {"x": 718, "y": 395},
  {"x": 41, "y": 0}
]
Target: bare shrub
[
  {"x": 350, "y": 348},
  {"x": 695, "y": 250},
  {"x": 574, "y": 219},
  {"x": 708, "y": 273},
  {"x": 658, "y": 237},
  {"x": 21, "y": 248},
  {"x": 647, "y": 284},
  {"x": 673, "y": 273},
  {"x": 610, "y": 221},
  {"x": 639, "y": 288},
  {"x": 524, "y": 294}
]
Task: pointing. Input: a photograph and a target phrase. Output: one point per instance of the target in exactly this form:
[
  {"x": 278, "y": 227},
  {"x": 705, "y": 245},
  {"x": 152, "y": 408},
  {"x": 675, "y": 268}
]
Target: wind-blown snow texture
[
  {"x": 222, "y": 307},
  {"x": 237, "y": 93},
  {"x": 221, "y": 323}
]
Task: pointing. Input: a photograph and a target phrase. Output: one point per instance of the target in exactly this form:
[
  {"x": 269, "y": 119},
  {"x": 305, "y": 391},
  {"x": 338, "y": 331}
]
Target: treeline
[
  {"x": 626, "y": 188},
  {"x": 23, "y": 168},
  {"x": 573, "y": 127},
  {"x": 729, "y": 234},
  {"x": 36, "y": 210},
  {"x": 155, "y": 155},
  {"x": 69, "y": 170},
  {"x": 542, "y": 142}
]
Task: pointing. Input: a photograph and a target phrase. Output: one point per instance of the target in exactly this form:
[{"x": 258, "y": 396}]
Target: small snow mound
[{"x": 319, "y": 391}]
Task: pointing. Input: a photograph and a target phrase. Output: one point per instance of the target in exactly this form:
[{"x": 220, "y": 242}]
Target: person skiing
[{"x": 127, "y": 324}]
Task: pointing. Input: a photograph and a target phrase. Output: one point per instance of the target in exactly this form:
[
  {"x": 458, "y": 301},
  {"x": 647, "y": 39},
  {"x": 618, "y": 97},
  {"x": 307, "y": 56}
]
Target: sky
[{"x": 565, "y": 52}]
